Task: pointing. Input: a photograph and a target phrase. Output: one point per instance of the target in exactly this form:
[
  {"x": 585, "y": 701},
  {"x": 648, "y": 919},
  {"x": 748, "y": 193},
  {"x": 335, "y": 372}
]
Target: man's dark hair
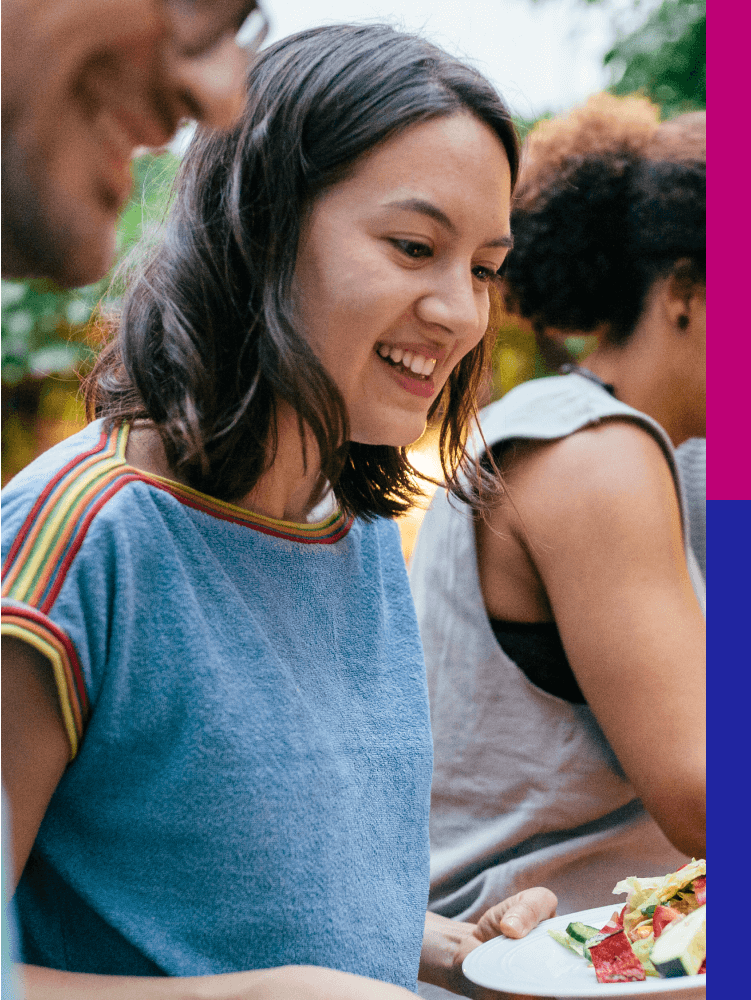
[{"x": 207, "y": 339}]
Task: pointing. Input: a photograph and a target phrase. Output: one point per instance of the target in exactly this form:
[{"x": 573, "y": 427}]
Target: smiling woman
[
  {"x": 564, "y": 629},
  {"x": 208, "y": 639},
  {"x": 323, "y": 253}
]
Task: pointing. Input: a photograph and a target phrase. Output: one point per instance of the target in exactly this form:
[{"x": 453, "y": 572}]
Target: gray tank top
[
  {"x": 692, "y": 466},
  {"x": 526, "y": 789}
]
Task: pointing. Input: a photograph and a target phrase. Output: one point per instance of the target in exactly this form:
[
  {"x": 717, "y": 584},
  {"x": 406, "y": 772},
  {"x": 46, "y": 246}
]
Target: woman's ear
[{"x": 684, "y": 294}]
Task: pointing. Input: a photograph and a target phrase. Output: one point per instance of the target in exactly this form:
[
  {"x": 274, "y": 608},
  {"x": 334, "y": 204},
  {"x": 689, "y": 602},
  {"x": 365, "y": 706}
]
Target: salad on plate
[{"x": 661, "y": 930}]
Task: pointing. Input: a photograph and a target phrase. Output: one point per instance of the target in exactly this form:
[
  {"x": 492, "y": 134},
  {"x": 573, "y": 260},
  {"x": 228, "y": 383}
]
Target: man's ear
[{"x": 683, "y": 288}]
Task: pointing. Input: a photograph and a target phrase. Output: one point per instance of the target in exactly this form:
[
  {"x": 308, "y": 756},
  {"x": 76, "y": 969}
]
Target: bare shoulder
[
  {"x": 598, "y": 455},
  {"x": 613, "y": 466},
  {"x": 567, "y": 501}
]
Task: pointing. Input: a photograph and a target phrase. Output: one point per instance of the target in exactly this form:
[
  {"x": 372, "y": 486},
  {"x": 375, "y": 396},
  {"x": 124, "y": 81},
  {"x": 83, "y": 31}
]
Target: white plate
[{"x": 541, "y": 967}]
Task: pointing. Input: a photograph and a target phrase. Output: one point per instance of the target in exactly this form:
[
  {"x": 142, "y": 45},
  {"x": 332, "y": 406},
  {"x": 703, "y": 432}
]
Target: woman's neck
[
  {"x": 642, "y": 377},
  {"x": 286, "y": 491}
]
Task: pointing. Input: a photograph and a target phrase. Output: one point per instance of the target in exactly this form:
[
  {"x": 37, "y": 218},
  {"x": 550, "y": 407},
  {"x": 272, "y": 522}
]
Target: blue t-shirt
[{"x": 247, "y": 710}]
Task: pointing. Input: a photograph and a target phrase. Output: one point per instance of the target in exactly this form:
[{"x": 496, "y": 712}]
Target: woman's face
[{"x": 394, "y": 269}]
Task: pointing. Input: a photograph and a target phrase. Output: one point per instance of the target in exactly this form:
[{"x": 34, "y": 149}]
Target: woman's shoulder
[
  {"x": 552, "y": 407},
  {"x": 570, "y": 423},
  {"x": 49, "y": 463},
  {"x": 70, "y": 498},
  {"x": 39, "y": 480},
  {"x": 608, "y": 477}
]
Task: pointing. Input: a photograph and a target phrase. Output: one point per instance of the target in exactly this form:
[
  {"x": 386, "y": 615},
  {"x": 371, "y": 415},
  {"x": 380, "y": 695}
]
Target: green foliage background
[
  {"x": 47, "y": 333},
  {"x": 666, "y": 58}
]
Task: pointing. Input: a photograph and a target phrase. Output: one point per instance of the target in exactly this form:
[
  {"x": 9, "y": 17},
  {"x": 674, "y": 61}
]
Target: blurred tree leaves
[
  {"x": 666, "y": 58},
  {"x": 41, "y": 326}
]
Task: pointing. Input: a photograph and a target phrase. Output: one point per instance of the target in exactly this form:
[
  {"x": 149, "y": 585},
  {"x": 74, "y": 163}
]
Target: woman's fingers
[{"x": 517, "y": 915}]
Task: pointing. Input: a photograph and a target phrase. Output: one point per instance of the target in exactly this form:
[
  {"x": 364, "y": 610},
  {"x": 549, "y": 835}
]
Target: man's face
[{"x": 84, "y": 83}]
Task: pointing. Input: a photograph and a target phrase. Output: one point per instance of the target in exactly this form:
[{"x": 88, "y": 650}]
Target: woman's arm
[
  {"x": 286, "y": 983},
  {"x": 446, "y": 943},
  {"x": 35, "y": 752},
  {"x": 598, "y": 518},
  {"x": 35, "y": 747}
]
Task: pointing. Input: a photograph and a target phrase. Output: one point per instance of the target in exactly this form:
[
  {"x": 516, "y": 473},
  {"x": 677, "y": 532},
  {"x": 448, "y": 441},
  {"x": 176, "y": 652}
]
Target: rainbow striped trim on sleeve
[
  {"x": 56, "y": 526},
  {"x": 40, "y": 556},
  {"x": 41, "y": 633},
  {"x": 54, "y": 530}
]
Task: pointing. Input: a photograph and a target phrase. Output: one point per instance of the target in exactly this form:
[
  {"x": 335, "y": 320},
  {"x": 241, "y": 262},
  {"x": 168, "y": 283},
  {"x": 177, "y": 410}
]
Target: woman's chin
[{"x": 402, "y": 437}]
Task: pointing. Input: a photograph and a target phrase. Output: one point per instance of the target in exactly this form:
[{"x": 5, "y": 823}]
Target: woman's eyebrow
[{"x": 435, "y": 213}]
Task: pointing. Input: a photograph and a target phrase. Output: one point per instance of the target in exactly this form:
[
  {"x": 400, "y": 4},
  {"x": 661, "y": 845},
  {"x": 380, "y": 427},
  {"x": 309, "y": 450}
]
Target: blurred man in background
[{"x": 84, "y": 84}]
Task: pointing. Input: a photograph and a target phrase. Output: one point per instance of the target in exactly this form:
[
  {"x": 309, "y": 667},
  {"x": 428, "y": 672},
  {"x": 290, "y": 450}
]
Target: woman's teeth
[{"x": 417, "y": 364}]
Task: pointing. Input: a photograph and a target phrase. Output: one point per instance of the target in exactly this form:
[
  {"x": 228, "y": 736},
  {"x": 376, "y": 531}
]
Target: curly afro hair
[{"x": 608, "y": 201}]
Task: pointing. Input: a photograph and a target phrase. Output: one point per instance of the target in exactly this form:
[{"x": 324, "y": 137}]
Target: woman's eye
[
  {"x": 410, "y": 248},
  {"x": 484, "y": 273}
]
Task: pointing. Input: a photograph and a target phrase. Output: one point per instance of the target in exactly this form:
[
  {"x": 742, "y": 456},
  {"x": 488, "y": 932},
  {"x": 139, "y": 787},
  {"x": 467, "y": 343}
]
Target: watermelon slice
[
  {"x": 700, "y": 889},
  {"x": 662, "y": 916},
  {"x": 615, "y": 961}
]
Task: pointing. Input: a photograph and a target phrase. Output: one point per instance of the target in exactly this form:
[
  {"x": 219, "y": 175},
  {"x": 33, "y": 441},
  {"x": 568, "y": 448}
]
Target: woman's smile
[
  {"x": 416, "y": 382},
  {"x": 411, "y": 367},
  {"x": 415, "y": 362}
]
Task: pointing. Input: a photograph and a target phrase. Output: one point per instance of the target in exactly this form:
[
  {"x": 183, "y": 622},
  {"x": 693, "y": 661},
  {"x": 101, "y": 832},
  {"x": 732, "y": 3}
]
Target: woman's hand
[{"x": 446, "y": 943}]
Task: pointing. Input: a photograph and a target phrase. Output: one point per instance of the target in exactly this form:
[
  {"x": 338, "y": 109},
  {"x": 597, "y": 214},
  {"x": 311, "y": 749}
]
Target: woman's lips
[
  {"x": 424, "y": 387},
  {"x": 415, "y": 384}
]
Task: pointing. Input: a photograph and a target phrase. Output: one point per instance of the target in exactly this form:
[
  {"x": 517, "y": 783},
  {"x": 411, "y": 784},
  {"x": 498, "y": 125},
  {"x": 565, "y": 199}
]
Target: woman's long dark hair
[{"x": 207, "y": 339}]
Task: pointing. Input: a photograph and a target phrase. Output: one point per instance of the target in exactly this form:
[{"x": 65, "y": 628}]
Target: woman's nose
[{"x": 454, "y": 304}]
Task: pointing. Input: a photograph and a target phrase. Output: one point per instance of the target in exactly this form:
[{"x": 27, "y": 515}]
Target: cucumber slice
[
  {"x": 642, "y": 949},
  {"x": 581, "y": 932},
  {"x": 568, "y": 942},
  {"x": 682, "y": 946}
]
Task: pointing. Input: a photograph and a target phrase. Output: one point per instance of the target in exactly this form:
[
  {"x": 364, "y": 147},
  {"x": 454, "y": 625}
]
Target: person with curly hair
[
  {"x": 564, "y": 632},
  {"x": 216, "y": 736}
]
